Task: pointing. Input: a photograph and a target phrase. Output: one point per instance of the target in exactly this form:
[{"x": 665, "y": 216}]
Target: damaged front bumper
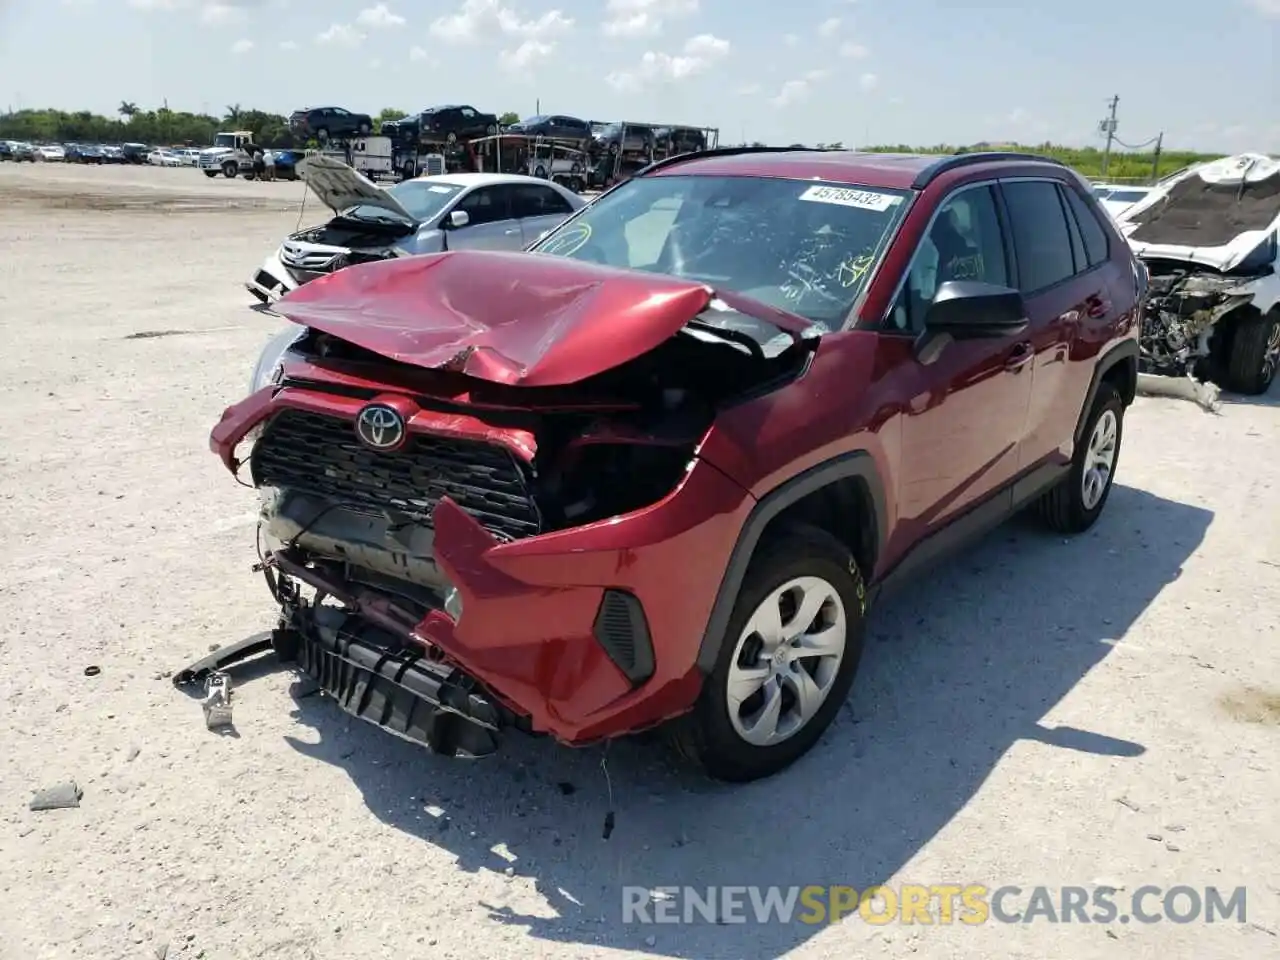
[
  {"x": 272, "y": 280},
  {"x": 584, "y": 633}
]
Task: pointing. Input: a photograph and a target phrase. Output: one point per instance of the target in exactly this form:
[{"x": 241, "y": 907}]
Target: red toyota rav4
[{"x": 653, "y": 471}]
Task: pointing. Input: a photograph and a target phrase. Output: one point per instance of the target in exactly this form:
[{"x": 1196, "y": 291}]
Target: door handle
[
  {"x": 1021, "y": 355},
  {"x": 511, "y": 233}
]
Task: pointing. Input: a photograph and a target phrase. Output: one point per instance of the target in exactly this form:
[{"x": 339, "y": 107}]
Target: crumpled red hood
[{"x": 512, "y": 318}]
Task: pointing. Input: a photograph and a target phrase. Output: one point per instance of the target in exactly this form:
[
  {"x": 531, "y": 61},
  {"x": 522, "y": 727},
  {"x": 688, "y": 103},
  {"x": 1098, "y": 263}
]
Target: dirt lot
[{"x": 1037, "y": 712}]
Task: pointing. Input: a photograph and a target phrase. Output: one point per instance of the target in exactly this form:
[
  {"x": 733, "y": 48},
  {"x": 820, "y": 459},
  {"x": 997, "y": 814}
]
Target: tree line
[
  {"x": 1088, "y": 161},
  {"x": 160, "y": 127}
]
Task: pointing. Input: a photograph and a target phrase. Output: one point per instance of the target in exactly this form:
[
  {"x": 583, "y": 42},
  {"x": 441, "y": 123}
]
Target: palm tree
[
  {"x": 234, "y": 113},
  {"x": 127, "y": 109}
]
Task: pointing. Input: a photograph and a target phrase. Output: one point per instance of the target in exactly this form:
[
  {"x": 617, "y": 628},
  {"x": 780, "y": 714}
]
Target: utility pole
[
  {"x": 1108, "y": 126},
  {"x": 1155, "y": 163}
]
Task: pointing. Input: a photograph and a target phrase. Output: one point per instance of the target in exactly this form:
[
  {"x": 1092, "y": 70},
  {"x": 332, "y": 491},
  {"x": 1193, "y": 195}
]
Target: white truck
[
  {"x": 370, "y": 156},
  {"x": 228, "y": 155}
]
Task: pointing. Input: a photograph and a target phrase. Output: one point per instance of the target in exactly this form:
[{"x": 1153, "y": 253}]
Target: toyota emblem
[{"x": 380, "y": 427}]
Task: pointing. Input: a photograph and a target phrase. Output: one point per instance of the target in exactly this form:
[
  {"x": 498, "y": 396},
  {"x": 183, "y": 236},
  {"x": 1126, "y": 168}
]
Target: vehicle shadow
[
  {"x": 1269, "y": 399},
  {"x": 958, "y": 669}
]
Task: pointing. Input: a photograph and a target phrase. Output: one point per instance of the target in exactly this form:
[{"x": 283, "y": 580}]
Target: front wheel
[
  {"x": 229, "y": 170},
  {"x": 1076, "y": 502},
  {"x": 364, "y": 130},
  {"x": 786, "y": 662},
  {"x": 211, "y": 173}
]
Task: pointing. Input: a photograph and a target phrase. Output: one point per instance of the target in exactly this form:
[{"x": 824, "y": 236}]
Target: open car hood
[
  {"x": 339, "y": 187},
  {"x": 525, "y": 318},
  {"x": 1215, "y": 214}
]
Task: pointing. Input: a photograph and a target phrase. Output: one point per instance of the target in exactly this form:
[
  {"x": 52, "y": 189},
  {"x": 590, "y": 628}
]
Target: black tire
[
  {"x": 229, "y": 170},
  {"x": 322, "y": 135},
  {"x": 450, "y": 138},
  {"x": 211, "y": 173},
  {"x": 1253, "y": 354},
  {"x": 707, "y": 736},
  {"x": 364, "y": 129},
  {"x": 1064, "y": 508},
  {"x": 540, "y": 172},
  {"x": 491, "y": 129}
]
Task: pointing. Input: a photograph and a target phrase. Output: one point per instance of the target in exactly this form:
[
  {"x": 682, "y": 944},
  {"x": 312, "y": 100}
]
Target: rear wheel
[
  {"x": 1254, "y": 353},
  {"x": 364, "y": 129},
  {"x": 787, "y": 661},
  {"x": 1075, "y": 504},
  {"x": 230, "y": 169}
]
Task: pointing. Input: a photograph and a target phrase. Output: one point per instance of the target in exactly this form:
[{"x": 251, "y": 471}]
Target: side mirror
[
  {"x": 459, "y": 218},
  {"x": 969, "y": 310}
]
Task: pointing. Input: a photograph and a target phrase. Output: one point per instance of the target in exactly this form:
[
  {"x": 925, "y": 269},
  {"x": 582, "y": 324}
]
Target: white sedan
[
  {"x": 51, "y": 152},
  {"x": 164, "y": 158}
]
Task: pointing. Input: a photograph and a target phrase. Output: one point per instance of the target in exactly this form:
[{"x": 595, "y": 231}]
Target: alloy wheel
[{"x": 1271, "y": 354}]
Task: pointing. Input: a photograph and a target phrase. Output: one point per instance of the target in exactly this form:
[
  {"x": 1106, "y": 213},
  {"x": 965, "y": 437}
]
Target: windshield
[
  {"x": 422, "y": 198},
  {"x": 803, "y": 246},
  {"x": 225, "y": 140}
]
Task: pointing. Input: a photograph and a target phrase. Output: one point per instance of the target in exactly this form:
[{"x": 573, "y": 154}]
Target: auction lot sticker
[{"x": 864, "y": 199}]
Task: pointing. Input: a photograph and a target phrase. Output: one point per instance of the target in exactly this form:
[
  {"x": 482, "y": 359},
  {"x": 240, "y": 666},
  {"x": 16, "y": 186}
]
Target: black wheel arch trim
[
  {"x": 855, "y": 464},
  {"x": 1124, "y": 351}
]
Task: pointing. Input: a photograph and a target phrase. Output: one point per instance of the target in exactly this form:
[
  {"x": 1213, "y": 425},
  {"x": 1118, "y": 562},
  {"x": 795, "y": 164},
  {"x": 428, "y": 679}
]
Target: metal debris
[
  {"x": 61, "y": 796},
  {"x": 217, "y": 701},
  {"x": 1206, "y": 395}
]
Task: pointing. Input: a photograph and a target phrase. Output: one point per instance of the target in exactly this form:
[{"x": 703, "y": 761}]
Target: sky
[{"x": 918, "y": 72}]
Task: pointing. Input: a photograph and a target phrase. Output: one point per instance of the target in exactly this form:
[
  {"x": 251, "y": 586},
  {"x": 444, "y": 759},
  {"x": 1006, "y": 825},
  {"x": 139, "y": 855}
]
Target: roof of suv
[{"x": 900, "y": 171}]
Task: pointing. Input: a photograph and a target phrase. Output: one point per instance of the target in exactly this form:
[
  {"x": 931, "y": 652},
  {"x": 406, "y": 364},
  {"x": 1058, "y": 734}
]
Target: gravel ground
[{"x": 1035, "y": 712}]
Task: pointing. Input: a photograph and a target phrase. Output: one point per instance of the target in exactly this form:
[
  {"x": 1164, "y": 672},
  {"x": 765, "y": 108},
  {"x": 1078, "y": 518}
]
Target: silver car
[{"x": 464, "y": 211}]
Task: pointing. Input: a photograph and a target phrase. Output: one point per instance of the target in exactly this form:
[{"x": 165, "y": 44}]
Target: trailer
[
  {"x": 621, "y": 148},
  {"x": 548, "y": 158}
]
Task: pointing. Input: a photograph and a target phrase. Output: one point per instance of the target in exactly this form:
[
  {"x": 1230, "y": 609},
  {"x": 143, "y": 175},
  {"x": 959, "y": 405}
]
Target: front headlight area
[{"x": 266, "y": 370}]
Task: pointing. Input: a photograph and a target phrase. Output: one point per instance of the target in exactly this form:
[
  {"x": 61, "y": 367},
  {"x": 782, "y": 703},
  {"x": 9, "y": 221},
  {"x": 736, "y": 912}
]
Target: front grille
[
  {"x": 304, "y": 258},
  {"x": 320, "y": 455}
]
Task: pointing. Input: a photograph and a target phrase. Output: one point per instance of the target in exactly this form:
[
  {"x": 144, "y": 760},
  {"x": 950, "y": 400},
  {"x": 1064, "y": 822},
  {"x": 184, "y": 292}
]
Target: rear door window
[
  {"x": 1096, "y": 247},
  {"x": 536, "y": 201},
  {"x": 1041, "y": 236}
]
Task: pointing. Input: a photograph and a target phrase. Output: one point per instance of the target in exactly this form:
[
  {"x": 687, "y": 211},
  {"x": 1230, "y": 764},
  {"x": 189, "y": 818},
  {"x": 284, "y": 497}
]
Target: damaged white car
[
  {"x": 465, "y": 211},
  {"x": 1210, "y": 239}
]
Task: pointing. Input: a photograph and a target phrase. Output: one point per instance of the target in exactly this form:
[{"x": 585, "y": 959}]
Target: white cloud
[
  {"x": 1268, "y": 8},
  {"x": 528, "y": 54},
  {"x": 793, "y": 91},
  {"x": 644, "y": 18},
  {"x": 379, "y": 18},
  {"x": 219, "y": 14},
  {"x": 241, "y": 46},
  {"x": 868, "y": 81},
  {"x": 420, "y": 55},
  {"x": 341, "y": 35},
  {"x": 790, "y": 39},
  {"x": 829, "y": 28},
  {"x": 817, "y": 76},
  {"x": 699, "y": 54},
  {"x": 854, "y": 51},
  {"x": 480, "y": 19},
  {"x": 288, "y": 45}
]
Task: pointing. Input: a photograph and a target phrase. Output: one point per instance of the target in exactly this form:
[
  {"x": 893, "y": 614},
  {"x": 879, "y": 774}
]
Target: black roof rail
[
  {"x": 716, "y": 152},
  {"x": 954, "y": 161}
]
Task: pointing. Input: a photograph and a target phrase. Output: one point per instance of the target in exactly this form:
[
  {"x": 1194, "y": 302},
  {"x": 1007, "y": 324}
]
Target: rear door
[
  {"x": 1063, "y": 273},
  {"x": 538, "y": 208},
  {"x": 491, "y": 225}
]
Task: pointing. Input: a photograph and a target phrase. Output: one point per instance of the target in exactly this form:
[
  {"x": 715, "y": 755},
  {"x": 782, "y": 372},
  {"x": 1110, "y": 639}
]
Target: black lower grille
[
  {"x": 623, "y": 631},
  {"x": 320, "y": 455}
]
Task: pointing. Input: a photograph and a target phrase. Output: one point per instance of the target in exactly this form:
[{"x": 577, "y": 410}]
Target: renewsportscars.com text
[{"x": 940, "y": 904}]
